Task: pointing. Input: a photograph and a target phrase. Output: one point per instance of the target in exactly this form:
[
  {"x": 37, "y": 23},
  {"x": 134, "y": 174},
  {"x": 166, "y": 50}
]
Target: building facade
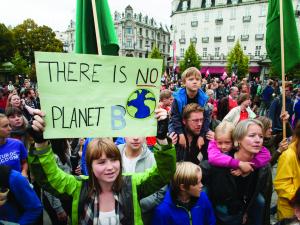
[
  {"x": 138, "y": 34},
  {"x": 214, "y": 26},
  {"x": 67, "y": 37}
]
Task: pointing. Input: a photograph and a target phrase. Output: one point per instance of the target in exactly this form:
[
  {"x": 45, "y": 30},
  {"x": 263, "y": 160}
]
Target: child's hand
[
  {"x": 182, "y": 140},
  {"x": 200, "y": 142},
  {"x": 246, "y": 167},
  {"x": 210, "y": 135},
  {"x": 236, "y": 172},
  {"x": 174, "y": 137}
]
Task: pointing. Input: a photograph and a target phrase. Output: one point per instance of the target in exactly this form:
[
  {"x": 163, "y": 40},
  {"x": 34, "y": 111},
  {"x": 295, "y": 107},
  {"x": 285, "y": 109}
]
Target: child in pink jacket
[{"x": 219, "y": 148}]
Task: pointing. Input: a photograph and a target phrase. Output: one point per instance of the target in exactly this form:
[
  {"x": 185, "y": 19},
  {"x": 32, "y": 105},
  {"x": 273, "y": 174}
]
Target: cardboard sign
[{"x": 98, "y": 96}]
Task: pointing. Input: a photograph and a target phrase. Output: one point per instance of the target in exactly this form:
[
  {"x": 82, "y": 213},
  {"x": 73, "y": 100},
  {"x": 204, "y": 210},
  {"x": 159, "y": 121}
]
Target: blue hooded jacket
[
  {"x": 167, "y": 213},
  {"x": 26, "y": 206},
  {"x": 180, "y": 101}
]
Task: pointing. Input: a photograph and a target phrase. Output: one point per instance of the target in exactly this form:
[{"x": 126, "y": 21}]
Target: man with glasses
[{"x": 192, "y": 119}]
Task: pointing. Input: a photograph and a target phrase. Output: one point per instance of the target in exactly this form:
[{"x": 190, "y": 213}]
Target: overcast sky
[{"x": 58, "y": 13}]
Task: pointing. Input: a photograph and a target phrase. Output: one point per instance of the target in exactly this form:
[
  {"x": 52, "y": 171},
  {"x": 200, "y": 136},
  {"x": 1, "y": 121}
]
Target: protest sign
[{"x": 97, "y": 96}]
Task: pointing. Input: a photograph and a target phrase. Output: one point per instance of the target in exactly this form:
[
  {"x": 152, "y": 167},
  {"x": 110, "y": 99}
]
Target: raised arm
[
  {"x": 165, "y": 156},
  {"x": 43, "y": 164}
]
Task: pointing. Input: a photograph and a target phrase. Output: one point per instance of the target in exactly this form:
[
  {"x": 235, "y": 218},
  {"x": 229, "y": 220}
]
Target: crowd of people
[{"x": 218, "y": 141}]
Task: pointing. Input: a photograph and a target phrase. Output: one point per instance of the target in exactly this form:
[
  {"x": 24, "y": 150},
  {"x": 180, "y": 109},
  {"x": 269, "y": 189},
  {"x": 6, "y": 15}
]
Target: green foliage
[
  {"x": 237, "y": 58},
  {"x": 7, "y": 44},
  {"x": 191, "y": 58},
  {"x": 21, "y": 66},
  {"x": 30, "y": 37},
  {"x": 155, "y": 54}
]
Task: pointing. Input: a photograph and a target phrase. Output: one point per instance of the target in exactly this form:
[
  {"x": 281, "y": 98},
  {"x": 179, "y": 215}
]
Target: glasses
[{"x": 196, "y": 120}]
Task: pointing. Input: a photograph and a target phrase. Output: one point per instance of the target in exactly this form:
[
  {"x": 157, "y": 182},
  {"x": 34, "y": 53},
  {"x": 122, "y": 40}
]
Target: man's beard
[{"x": 191, "y": 132}]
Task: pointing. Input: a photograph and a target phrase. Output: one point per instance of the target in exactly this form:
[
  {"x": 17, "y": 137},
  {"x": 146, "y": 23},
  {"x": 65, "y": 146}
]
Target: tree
[
  {"x": 191, "y": 58},
  {"x": 20, "y": 64},
  {"x": 30, "y": 37},
  {"x": 7, "y": 44},
  {"x": 237, "y": 61},
  {"x": 155, "y": 54}
]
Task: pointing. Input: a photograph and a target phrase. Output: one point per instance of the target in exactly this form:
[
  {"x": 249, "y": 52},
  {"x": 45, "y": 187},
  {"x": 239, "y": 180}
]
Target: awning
[
  {"x": 254, "y": 69},
  {"x": 220, "y": 69},
  {"x": 213, "y": 69}
]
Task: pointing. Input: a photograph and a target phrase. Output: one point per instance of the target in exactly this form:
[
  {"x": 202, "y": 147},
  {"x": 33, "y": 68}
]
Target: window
[
  {"x": 158, "y": 36},
  {"x": 128, "y": 30},
  {"x": 204, "y": 53},
  {"x": 257, "y": 50},
  {"x": 140, "y": 55},
  {"x": 206, "y": 17},
  {"x": 141, "y": 43},
  {"x": 147, "y": 33},
  {"x": 128, "y": 15},
  {"x": 263, "y": 9},
  {"x": 182, "y": 52},
  {"x": 129, "y": 43},
  {"x": 208, "y": 4},
  {"x": 164, "y": 48},
  {"x": 233, "y": 13},
  {"x": 141, "y": 31},
  {"x": 245, "y": 48},
  {"x": 152, "y": 34},
  {"x": 217, "y": 51}
]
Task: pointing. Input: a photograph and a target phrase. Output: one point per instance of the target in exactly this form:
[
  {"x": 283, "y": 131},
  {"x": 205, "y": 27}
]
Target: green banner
[{"x": 97, "y": 96}]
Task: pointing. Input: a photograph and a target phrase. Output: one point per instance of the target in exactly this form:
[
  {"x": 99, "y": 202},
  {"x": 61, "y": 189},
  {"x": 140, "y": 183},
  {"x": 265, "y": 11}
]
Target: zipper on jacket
[{"x": 189, "y": 213}]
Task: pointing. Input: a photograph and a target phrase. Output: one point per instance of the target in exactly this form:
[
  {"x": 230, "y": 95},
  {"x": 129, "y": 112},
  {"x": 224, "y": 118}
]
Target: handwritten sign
[{"x": 97, "y": 96}]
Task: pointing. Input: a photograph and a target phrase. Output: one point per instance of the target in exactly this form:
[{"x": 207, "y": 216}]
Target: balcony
[
  {"x": 245, "y": 37},
  {"x": 193, "y": 40},
  {"x": 205, "y": 39},
  {"x": 230, "y": 38},
  {"x": 219, "y": 21},
  {"x": 217, "y": 39},
  {"x": 246, "y": 19},
  {"x": 194, "y": 23},
  {"x": 182, "y": 40},
  {"x": 259, "y": 37}
]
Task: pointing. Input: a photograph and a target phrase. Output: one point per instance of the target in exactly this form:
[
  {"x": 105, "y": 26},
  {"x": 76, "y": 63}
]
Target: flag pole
[
  {"x": 282, "y": 65},
  {"x": 96, "y": 24}
]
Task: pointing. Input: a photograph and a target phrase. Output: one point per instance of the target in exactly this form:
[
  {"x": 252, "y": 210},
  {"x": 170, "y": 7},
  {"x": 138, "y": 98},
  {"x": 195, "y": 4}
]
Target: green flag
[
  {"x": 85, "y": 30},
  {"x": 291, "y": 39}
]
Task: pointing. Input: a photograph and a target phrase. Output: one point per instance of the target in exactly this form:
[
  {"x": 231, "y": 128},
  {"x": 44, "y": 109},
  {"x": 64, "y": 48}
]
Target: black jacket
[{"x": 224, "y": 190}]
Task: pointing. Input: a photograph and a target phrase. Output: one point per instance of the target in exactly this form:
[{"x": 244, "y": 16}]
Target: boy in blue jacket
[
  {"x": 184, "y": 203},
  {"x": 191, "y": 93}
]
